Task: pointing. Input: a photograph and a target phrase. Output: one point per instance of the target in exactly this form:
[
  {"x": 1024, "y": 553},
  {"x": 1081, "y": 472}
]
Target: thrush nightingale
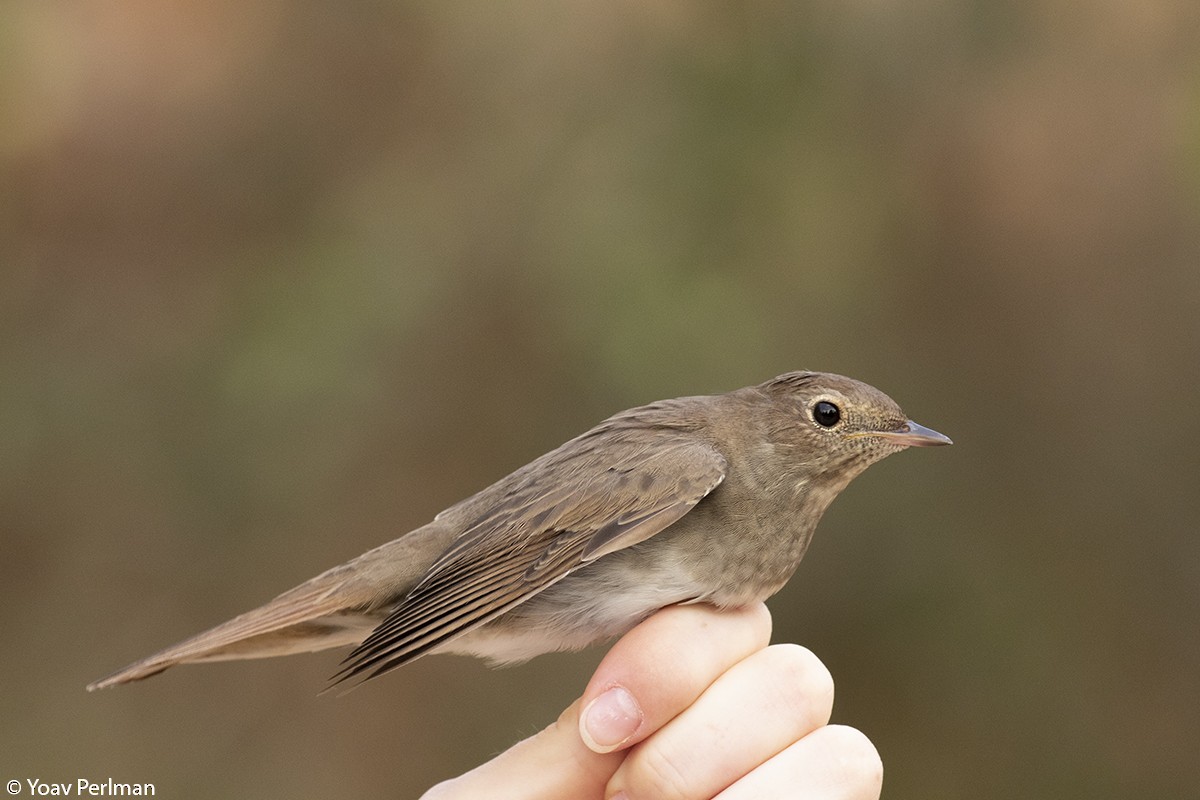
[{"x": 708, "y": 499}]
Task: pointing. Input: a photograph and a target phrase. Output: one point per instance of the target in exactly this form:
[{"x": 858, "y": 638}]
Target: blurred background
[{"x": 280, "y": 281}]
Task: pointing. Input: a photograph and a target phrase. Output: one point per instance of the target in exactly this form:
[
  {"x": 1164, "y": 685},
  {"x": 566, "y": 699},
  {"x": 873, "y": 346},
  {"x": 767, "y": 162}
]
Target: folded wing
[{"x": 549, "y": 519}]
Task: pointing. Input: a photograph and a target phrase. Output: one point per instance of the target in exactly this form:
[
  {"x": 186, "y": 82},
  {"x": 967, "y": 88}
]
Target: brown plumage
[{"x": 698, "y": 499}]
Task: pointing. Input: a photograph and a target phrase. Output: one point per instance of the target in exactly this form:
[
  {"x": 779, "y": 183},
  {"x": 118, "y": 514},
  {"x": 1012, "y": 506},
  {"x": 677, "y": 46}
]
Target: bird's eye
[{"x": 826, "y": 414}]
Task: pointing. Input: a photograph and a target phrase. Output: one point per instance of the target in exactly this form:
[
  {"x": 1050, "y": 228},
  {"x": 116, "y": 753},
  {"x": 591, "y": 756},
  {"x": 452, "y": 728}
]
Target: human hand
[{"x": 692, "y": 703}]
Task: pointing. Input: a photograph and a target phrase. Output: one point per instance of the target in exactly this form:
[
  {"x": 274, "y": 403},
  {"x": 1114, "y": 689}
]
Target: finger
[
  {"x": 660, "y": 667},
  {"x": 550, "y": 765},
  {"x": 758, "y": 708},
  {"x": 831, "y": 763},
  {"x": 675, "y": 649}
]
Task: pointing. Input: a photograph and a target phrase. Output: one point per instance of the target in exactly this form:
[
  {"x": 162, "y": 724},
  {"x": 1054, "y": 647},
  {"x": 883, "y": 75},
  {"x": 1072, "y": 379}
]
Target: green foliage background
[{"x": 278, "y": 282}]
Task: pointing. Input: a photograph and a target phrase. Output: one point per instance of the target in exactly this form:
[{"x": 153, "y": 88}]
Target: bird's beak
[
  {"x": 914, "y": 435},
  {"x": 910, "y": 435}
]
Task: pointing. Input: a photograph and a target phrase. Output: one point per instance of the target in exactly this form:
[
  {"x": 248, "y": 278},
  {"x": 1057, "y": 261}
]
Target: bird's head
[{"x": 836, "y": 426}]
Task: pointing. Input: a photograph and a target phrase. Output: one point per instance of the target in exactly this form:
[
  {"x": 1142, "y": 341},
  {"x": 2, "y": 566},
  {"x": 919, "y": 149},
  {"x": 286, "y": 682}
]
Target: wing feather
[{"x": 534, "y": 534}]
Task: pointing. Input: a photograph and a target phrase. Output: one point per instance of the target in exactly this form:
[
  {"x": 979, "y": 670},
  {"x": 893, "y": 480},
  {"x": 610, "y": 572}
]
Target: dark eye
[{"x": 826, "y": 414}]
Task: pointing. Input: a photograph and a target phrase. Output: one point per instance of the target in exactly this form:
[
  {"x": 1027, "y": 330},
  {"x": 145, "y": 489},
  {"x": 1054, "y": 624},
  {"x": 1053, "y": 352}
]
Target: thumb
[{"x": 549, "y": 765}]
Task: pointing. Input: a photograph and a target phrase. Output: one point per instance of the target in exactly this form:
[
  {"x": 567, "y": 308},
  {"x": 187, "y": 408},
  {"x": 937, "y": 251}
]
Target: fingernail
[{"x": 610, "y": 720}]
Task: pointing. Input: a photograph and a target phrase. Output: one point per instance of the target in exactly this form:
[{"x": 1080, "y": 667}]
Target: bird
[{"x": 703, "y": 499}]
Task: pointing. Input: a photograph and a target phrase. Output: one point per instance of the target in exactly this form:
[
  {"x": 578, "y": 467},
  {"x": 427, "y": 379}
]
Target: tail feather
[
  {"x": 337, "y": 608},
  {"x": 305, "y": 619}
]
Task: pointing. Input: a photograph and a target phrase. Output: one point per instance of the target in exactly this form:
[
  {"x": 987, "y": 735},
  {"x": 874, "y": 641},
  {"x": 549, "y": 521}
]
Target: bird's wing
[{"x": 568, "y": 508}]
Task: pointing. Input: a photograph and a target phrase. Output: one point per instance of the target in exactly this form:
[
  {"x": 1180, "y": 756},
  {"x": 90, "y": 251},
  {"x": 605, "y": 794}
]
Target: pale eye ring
[{"x": 826, "y": 414}]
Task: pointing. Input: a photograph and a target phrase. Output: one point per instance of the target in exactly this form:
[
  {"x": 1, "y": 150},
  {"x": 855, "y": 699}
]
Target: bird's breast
[{"x": 741, "y": 552}]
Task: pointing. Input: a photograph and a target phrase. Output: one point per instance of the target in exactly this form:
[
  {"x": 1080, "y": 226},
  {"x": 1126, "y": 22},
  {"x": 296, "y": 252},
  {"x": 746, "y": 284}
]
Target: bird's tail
[{"x": 337, "y": 608}]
